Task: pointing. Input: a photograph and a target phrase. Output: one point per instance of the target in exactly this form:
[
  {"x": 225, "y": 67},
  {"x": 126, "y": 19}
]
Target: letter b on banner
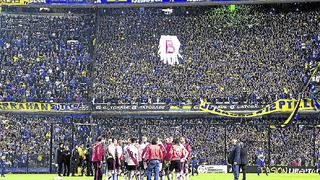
[
  {"x": 169, "y": 50},
  {"x": 169, "y": 47}
]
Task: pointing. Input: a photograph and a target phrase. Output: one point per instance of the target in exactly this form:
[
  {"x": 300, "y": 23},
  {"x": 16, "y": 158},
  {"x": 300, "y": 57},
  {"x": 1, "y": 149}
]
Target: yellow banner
[
  {"x": 35, "y": 106},
  {"x": 282, "y": 105},
  {"x": 14, "y": 2}
]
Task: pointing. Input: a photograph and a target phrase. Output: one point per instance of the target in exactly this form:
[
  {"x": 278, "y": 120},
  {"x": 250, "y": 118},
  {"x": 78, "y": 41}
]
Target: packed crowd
[
  {"x": 248, "y": 55},
  {"x": 301, "y": 143},
  {"x": 26, "y": 139},
  {"x": 253, "y": 136},
  {"x": 45, "y": 58},
  {"x": 251, "y": 54}
]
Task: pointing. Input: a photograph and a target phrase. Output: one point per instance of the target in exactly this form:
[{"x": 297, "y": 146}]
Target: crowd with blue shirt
[{"x": 45, "y": 58}]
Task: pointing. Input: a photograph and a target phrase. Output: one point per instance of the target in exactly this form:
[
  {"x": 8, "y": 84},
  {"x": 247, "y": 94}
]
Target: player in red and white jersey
[
  {"x": 106, "y": 144},
  {"x": 124, "y": 166},
  {"x": 162, "y": 173},
  {"x": 178, "y": 154},
  {"x": 131, "y": 158},
  {"x": 114, "y": 152},
  {"x": 166, "y": 162},
  {"x": 185, "y": 165},
  {"x": 97, "y": 158},
  {"x": 137, "y": 145},
  {"x": 142, "y": 150},
  {"x": 144, "y": 143},
  {"x": 168, "y": 147},
  {"x": 122, "y": 144}
]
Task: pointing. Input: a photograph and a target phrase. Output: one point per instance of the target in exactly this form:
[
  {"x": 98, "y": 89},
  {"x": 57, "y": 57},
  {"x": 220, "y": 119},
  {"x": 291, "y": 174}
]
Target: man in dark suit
[
  {"x": 88, "y": 160},
  {"x": 243, "y": 159},
  {"x": 75, "y": 158},
  {"x": 60, "y": 158},
  {"x": 66, "y": 164},
  {"x": 234, "y": 159}
]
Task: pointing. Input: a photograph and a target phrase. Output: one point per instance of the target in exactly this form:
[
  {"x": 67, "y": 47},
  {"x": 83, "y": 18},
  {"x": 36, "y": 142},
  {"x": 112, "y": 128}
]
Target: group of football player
[{"x": 131, "y": 159}]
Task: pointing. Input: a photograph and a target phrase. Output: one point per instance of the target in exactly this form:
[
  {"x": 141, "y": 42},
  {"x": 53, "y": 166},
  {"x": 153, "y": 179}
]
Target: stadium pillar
[
  {"x": 182, "y": 130},
  {"x": 27, "y": 162},
  {"x": 73, "y": 131},
  {"x": 225, "y": 143},
  {"x": 51, "y": 140},
  {"x": 92, "y": 130},
  {"x": 314, "y": 142},
  {"x": 269, "y": 145},
  {"x": 140, "y": 134}
]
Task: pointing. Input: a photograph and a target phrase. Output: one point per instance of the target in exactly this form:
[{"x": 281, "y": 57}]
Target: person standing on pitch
[
  {"x": 318, "y": 161},
  {"x": 235, "y": 160},
  {"x": 105, "y": 145},
  {"x": 3, "y": 164},
  {"x": 74, "y": 160},
  {"x": 153, "y": 155},
  {"x": 261, "y": 161},
  {"x": 318, "y": 166},
  {"x": 82, "y": 156},
  {"x": 97, "y": 157},
  {"x": 113, "y": 160},
  {"x": 162, "y": 173},
  {"x": 194, "y": 164},
  {"x": 142, "y": 150},
  {"x": 131, "y": 158},
  {"x": 140, "y": 163},
  {"x": 66, "y": 163},
  {"x": 178, "y": 154},
  {"x": 88, "y": 158},
  {"x": 185, "y": 164},
  {"x": 60, "y": 158},
  {"x": 243, "y": 160},
  {"x": 167, "y": 156}
]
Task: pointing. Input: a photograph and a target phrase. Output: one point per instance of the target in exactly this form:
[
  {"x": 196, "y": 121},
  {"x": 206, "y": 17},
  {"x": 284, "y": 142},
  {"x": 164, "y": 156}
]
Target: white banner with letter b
[{"x": 169, "y": 47}]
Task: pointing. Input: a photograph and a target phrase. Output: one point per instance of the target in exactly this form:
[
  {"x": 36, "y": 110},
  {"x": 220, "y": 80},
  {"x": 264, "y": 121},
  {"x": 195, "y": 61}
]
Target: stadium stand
[
  {"x": 45, "y": 58},
  {"x": 220, "y": 52},
  {"x": 256, "y": 55},
  {"x": 301, "y": 143},
  {"x": 28, "y": 137}
]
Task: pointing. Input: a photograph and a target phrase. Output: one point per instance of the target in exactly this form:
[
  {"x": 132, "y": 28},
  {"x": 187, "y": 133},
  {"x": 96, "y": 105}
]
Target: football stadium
[{"x": 159, "y": 89}]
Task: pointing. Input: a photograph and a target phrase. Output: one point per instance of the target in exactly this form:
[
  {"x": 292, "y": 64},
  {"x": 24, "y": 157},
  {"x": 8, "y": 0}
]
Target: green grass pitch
[{"x": 200, "y": 177}]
